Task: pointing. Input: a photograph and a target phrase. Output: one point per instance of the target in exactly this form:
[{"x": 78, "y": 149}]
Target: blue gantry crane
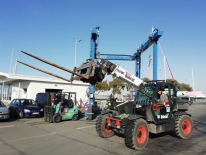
[
  {"x": 152, "y": 40},
  {"x": 94, "y": 54}
]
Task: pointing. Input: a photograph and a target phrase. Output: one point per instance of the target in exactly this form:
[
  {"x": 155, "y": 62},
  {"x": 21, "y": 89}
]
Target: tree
[
  {"x": 145, "y": 79},
  {"x": 102, "y": 86},
  {"x": 186, "y": 87},
  {"x": 182, "y": 86},
  {"x": 129, "y": 87},
  {"x": 116, "y": 84}
]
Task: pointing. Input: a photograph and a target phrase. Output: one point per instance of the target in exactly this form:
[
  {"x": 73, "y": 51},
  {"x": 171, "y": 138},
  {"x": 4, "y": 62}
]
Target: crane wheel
[
  {"x": 136, "y": 134},
  {"x": 102, "y": 128},
  {"x": 183, "y": 127}
]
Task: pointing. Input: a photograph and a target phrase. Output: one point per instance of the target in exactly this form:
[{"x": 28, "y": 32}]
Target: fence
[{"x": 197, "y": 100}]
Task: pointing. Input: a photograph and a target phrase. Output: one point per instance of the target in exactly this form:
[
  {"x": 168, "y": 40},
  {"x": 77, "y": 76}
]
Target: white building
[{"x": 24, "y": 86}]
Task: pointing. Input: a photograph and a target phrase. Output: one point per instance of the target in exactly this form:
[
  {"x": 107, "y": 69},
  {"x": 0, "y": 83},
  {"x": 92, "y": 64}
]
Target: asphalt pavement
[{"x": 33, "y": 136}]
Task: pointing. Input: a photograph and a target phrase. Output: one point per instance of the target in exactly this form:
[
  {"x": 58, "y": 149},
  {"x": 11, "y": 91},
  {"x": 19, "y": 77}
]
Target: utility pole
[
  {"x": 15, "y": 67},
  {"x": 11, "y": 61},
  {"x": 193, "y": 85},
  {"x": 76, "y": 50}
]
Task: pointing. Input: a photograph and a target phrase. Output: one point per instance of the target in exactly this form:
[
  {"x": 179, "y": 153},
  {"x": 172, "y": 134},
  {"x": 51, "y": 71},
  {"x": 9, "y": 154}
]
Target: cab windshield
[
  {"x": 1, "y": 104},
  {"x": 28, "y": 102},
  {"x": 145, "y": 94}
]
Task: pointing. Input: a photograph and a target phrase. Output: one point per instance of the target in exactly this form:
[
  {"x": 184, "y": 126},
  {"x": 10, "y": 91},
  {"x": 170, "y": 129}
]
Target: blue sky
[{"x": 47, "y": 28}]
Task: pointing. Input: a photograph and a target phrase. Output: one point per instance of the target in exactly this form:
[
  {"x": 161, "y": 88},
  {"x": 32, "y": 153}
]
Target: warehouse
[{"x": 24, "y": 86}]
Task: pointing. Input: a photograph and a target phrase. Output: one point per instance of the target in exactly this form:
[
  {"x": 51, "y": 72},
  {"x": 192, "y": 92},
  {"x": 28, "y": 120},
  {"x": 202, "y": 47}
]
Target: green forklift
[{"x": 62, "y": 107}]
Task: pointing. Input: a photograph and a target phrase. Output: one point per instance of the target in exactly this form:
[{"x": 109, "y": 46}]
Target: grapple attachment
[{"x": 90, "y": 69}]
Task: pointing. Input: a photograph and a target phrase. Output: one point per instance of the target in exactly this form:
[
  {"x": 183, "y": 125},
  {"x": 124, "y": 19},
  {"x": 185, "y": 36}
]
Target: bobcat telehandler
[{"x": 136, "y": 119}]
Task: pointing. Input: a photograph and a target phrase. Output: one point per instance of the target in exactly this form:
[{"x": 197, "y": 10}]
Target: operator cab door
[
  {"x": 161, "y": 113},
  {"x": 73, "y": 98}
]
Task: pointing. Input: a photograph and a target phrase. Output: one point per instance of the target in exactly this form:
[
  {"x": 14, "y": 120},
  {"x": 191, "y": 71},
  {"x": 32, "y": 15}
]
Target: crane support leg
[
  {"x": 138, "y": 66},
  {"x": 155, "y": 60}
]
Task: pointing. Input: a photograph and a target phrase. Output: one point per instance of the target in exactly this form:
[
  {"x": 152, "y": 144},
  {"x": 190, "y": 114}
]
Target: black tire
[
  {"x": 50, "y": 118},
  {"x": 183, "y": 127},
  {"x": 136, "y": 134},
  {"x": 89, "y": 116},
  {"x": 75, "y": 118},
  {"x": 90, "y": 112},
  {"x": 57, "y": 118},
  {"x": 20, "y": 114},
  {"x": 102, "y": 128}
]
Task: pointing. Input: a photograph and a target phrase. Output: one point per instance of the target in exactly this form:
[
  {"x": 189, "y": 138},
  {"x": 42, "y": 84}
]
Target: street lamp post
[{"x": 76, "y": 49}]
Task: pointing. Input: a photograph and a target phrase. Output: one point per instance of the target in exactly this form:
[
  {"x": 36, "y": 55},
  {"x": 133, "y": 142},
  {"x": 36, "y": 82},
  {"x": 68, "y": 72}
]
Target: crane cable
[
  {"x": 169, "y": 69},
  {"x": 166, "y": 60}
]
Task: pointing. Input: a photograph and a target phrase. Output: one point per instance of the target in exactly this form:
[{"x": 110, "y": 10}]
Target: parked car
[
  {"x": 4, "y": 111},
  {"x": 43, "y": 99},
  {"x": 25, "y": 108}
]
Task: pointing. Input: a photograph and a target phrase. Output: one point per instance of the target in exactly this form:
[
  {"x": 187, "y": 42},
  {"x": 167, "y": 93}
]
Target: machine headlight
[{"x": 26, "y": 110}]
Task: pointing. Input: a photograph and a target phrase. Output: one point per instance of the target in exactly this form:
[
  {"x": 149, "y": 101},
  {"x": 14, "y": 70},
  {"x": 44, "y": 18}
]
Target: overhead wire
[{"x": 165, "y": 59}]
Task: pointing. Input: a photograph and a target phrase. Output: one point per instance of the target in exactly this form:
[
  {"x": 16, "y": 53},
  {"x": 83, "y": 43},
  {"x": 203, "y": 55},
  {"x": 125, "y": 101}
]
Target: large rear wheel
[
  {"x": 102, "y": 128},
  {"x": 183, "y": 127},
  {"x": 136, "y": 134}
]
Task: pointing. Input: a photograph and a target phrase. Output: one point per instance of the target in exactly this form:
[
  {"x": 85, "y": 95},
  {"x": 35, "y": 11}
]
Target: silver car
[{"x": 4, "y": 111}]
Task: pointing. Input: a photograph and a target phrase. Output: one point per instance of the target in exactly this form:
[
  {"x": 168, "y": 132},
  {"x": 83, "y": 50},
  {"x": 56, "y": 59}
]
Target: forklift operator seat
[{"x": 70, "y": 103}]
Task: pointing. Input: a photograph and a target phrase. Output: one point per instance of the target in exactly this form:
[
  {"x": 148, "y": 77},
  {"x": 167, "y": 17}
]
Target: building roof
[
  {"x": 10, "y": 78},
  {"x": 194, "y": 93}
]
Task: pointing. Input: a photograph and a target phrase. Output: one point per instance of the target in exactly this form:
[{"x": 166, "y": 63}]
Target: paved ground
[{"x": 36, "y": 137}]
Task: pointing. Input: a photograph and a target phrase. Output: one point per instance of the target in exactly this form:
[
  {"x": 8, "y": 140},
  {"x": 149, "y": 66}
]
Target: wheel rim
[
  {"x": 141, "y": 134},
  {"x": 75, "y": 117},
  {"x": 107, "y": 128},
  {"x": 21, "y": 114},
  {"x": 186, "y": 127},
  {"x": 57, "y": 119}
]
